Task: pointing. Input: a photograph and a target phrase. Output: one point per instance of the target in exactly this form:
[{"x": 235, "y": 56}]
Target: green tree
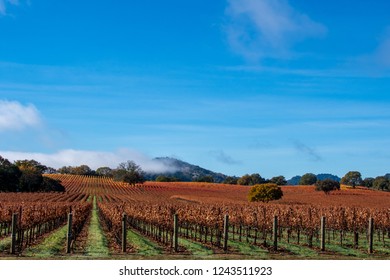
[
  {"x": 163, "y": 178},
  {"x": 308, "y": 179},
  {"x": 51, "y": 185},
  {"x": 245, "y": 180},
  {"x": 206, "y": 179},
  {"x": 30, "y": 180},
  {"x": 31, "y": 165},
  {"x": 352, "y": 178},
  {"x": 104, "y": 171},
  {"x": 232, "y": 180},
  {"x": 26, "y": 176},
  {"x": 250, "y": 180},
  {"x": 265, "y": 192},
  {"x": 65, "y": 170},
  {"x": 9, "y": 175},
  {"x": 31, "y": 177},
  {"x": 51, "y": 170},
  {"x": 368, "y": 182},
  {"x": 129, "y": 172},
  {"x": 279, "y": 180},
  {"x": 327, "y": 185},
  {"x": 77, "y": 170},
  {"x": 82, "y": 170},
  {"x": 381, "y": 183}
]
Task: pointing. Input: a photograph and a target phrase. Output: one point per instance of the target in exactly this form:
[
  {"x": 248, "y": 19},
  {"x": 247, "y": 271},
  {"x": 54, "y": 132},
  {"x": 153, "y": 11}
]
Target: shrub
[
  {"x": 265, "y": 192},
  {"x": 327, "y": 186}
]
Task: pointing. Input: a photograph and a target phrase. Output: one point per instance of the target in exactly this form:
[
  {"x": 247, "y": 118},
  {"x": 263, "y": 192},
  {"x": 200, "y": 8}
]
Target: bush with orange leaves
[{"x": 265, "y": 192}]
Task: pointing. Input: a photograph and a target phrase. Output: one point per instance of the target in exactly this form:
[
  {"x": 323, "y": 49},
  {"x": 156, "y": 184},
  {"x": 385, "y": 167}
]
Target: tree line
[
  {"x": 353, "y": 179},
  {"x": 128, "y": 172},
  {"x": 26, "y": 176}
]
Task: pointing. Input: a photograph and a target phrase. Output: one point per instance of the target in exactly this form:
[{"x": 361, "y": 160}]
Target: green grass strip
[
  {"x": 97, "y": 245},
  {"x": 52, "y": 245},
  {"x": 381, "y": 248},
  {"x": 142, "y": 245},
  {"x": 347, "y": 252},
  {"x": 195, "y": 248},
  {"x": 5, "y": 243},
  {"x": 248, "y": 249},
  {"x": 285, "y": 251},
  {"x": 300, "y": 251}
]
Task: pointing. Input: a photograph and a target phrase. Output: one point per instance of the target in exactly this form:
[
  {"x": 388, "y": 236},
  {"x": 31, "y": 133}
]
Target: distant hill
[
  {"x": 184, "y": 171},
  {"x": 328, "y": 176},
  {"x": 295, "y": 180},
  {"x": 187, "y": 172}
]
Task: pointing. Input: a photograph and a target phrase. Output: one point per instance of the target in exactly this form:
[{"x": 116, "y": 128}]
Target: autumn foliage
[{"x": 265, "y": 192}]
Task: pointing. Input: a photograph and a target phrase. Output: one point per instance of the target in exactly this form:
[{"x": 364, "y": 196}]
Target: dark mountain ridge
[{"x": 184, "y": 171}]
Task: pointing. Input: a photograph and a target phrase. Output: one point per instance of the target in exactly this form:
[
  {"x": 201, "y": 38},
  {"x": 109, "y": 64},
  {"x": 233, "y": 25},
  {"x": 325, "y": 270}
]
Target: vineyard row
[
  {"x": 205, "y": 223},
  {"x": 28, "y": 222}
]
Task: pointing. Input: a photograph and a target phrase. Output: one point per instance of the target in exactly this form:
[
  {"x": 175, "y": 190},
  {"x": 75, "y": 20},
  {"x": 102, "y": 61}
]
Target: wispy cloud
[
  {"x": 261, "y": 29},
  {"x": 306, "y": 150},
  {"x": 16, "y": 116},
  {"x": 382, "y": 54},
  {"x": 221, "y": 156},
  {"x": 378, "y": 61},
  {"x": 93, "y": 159},
  {"x": 5, "y": 3}
]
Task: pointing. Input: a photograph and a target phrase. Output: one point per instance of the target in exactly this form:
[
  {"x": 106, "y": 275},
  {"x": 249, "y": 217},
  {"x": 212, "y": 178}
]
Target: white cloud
[
  {"x": 15, "y": 116},
  {"x": 267, "y": 28},
  {"x": 93, "y": 159}
]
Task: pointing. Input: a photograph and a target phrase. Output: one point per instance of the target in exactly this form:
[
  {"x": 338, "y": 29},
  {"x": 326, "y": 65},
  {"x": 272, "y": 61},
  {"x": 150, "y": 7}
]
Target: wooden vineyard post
[
  {"x": 225, "y": 232},
  {"x": 356, "y": 239},
  {"x": 275, "y": 232},
  {"x": 175, "y": 232},
  {"x": 323, "y": 222},
  {"x": 370, "y": 235},
  {"x": 124, "y": 232},
  {"x": 13, "y": 232},
  {"x": 69, "y": 235}
]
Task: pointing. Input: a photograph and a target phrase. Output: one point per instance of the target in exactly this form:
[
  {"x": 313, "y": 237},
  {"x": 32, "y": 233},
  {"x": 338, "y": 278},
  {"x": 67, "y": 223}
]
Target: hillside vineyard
[{"x": 216, "y": 215}]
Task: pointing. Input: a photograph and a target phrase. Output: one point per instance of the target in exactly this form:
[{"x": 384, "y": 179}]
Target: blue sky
[{"x": 274, "y": 87}]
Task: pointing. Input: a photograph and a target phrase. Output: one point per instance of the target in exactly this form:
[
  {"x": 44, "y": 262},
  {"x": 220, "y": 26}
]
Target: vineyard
[{"x": 193, "y": 220}]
